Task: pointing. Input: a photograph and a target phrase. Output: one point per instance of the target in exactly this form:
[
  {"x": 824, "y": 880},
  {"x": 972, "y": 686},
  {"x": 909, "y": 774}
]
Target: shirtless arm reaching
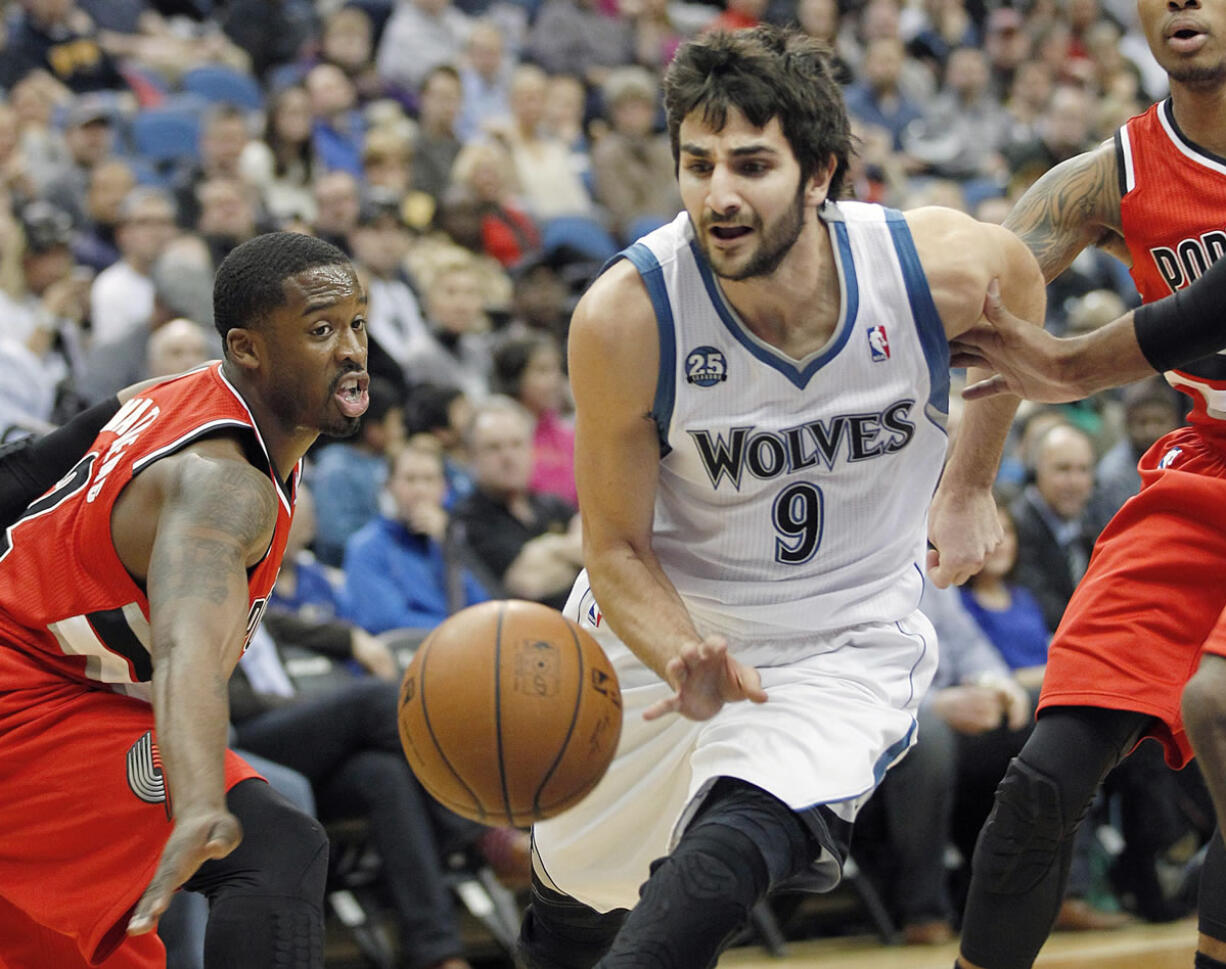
[
  {"x": 614, "y": 360},
  {"x": 206, "y": 515}
]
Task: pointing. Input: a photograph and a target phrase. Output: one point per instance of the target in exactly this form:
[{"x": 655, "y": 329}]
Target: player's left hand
[
  {"x": 194, "y": 840},
  {"x": 963, "y": 529},
  {"x": 705, "y": 677}
]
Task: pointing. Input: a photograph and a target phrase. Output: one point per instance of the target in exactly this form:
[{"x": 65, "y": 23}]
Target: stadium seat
[
  {"x": 217, "y": 83},
  {"x": 165, "y": 135}
]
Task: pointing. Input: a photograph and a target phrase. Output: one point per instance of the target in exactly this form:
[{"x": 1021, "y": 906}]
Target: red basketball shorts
[
  {"x": 1152, "y": 597},
  {"x": 83, "y": 820}
]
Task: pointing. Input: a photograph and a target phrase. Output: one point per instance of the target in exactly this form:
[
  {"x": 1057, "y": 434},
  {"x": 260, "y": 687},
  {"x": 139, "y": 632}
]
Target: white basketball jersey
[{"x": 793, "y": 494}]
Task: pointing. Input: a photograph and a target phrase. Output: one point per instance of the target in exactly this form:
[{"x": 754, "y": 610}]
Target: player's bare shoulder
[
  {"x": 614, "y": 335},
  {"x": 1074, "y": 205}
]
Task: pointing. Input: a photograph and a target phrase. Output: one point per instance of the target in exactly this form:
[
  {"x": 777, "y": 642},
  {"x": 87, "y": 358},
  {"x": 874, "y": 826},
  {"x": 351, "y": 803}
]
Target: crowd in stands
[{"x": 480, "y": 160}]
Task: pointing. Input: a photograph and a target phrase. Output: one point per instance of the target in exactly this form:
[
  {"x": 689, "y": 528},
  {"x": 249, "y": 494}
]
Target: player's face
[
  {"x": 316, "y": 345},
  {"x": 1188, "y": 38},
  {"x": 742, "y": 189}
]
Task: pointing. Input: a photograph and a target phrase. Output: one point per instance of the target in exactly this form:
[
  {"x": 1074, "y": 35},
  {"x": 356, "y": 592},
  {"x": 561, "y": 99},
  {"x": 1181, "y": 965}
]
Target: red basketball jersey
[
  {"x": 1173, "y": 213},
  {"x": 68, "y": 607}
]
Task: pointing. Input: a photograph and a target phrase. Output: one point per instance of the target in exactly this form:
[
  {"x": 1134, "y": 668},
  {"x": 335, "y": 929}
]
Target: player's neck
[
  {"x": 1201, "y": 115},
  {"x": 285, "y": 445},
  {"x": 795, "y": 307}
]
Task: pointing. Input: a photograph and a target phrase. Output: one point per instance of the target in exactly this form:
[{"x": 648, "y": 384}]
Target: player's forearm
[
  {"x": 192, "y": 715},
  {"x": 1108, "y": 357},
  {"x": 640, "y": 604},
  {"x": 975, "y": 456}
]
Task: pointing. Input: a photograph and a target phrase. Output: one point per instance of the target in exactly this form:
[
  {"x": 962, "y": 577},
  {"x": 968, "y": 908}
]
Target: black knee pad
[
  {"x": 558, "y": 932},
  {"x": 284, "y": 852},
  {"x": 1022, "y": 837}
]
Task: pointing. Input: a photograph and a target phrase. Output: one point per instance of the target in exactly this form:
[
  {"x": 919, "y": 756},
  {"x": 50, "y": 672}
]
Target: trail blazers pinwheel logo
[{"x": 145, "y": 776}]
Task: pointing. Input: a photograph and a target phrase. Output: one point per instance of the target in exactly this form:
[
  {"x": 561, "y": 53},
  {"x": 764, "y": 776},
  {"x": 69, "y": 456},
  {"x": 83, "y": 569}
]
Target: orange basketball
[{"x": 509, "y": 713}]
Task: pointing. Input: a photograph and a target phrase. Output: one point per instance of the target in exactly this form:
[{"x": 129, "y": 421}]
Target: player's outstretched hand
[
  {"x": 193, "y": 841},
  {"x": 706, "y": 677},
  {"x": 1027, "y": 359}
]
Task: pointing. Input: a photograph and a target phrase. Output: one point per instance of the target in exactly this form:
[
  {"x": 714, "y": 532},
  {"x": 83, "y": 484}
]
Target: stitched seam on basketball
[
  {"x": 570, "y": 730},
  {"x": 502, "y": 769},
  {"x": 425, "y": 713}
]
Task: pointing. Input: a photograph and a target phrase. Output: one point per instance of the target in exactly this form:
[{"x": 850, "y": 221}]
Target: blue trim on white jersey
[
  {"x": 927, "y": 320},
  {"x": 892, "y": 753},
  {"x": 799, "y": 376},
  {"x": 645, "y": 261}
]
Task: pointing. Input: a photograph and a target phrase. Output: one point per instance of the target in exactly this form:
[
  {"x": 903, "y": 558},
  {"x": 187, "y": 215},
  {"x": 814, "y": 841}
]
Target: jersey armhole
[
  {"x": 1123, "y": 160},
  {"x": 644, "y": 260}
]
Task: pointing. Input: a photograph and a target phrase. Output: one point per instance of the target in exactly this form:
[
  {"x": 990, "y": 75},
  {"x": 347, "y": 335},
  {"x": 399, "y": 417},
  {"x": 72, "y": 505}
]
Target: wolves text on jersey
[
  {"x": 1188, "y": 260},
  {"x": 769, "y": 454}
]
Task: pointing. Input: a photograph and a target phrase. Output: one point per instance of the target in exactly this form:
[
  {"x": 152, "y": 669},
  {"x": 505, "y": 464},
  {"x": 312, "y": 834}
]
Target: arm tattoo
[
  {"x": 223, "y": 513},
  {"x": 1074, "y": 205}
]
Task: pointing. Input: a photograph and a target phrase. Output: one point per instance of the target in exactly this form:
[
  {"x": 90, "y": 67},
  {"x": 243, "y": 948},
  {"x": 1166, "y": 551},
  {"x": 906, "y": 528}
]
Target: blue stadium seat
[
  {"x": 165, "y": 135},
  {"x": 216, "y": 82}
]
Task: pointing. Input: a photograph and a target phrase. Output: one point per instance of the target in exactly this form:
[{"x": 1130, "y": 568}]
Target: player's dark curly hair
[
  {"x": 767, "y": 72},
  {"x": 249, "y": 280}
]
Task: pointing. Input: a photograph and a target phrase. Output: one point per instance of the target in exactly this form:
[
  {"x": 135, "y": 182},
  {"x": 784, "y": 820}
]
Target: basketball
[{"x": 509, "y": 713}]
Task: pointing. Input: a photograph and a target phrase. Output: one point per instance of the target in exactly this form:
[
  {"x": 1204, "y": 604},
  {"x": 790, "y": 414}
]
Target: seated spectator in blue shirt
[
  {"x": 348, "y": 476},
  {"x": 405, "y": 572},
  {"x": 1009, "y": 615}
]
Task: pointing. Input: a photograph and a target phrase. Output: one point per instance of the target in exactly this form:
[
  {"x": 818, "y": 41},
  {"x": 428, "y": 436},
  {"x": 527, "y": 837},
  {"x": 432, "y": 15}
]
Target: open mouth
[
  {"x": 351, "y": 394},
  {"x": 1186, "y": 38},
  {"x": 726, "y": 233}
]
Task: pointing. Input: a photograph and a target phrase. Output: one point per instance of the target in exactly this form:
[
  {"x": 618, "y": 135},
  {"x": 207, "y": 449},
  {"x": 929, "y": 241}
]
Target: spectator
[
  {"x": 182, "y": 287},
  {"x": 338, "y": 204},
  {"x": 575, "y": 37},
  {"x": 394, "y": 320},
  {"x": 1026, "y": 99},
  {"x": 504, "y": 230},
  {"x": 94, "y": 244},
  {"x": 121, "y": 299},
  {"x": 272, "y": 32},
  {"x": 877, "y": 99},
  {"x": 42, "y": 343},
  {"x": 337, "y": 128},
  {"x": 223, "y": 136},
  {"x": 177, "y": 346},
  {"x": 437, "y": 146},
  {"x": 1062, "y": 131},
  {"x": 455, "y": 348},
  {"x": 58, "y": 37},
  {"x": 16, "y": 177},
  {"x": 485, "y": 81},
  {"x": 227, "y": 214},
  {"x": 946, "y": 26},
  {"x": 541, "y": 301},
  {"x": 1151, "y": 410},
  {"x": 531, "y": 543},
  {"x": 1007, "y": 613},
  {"x": 441, "y": 414},
  {"x": 962, "y": 129},
  {"x": 421, "y": 35},
  {"x": 633, "y": 164},
  {"x": 529, "y": 370},
  {"x": 34, "y": 98},
  {"x": 656, "y": 36},
  {"x": 739, "y": 15},
  {"x": 282, "y": 165},
  {"x": 1054, "y": 530},
  {"x": 406, "y": 570},
  {"x": 1007, "y": 46},
  {"x": 820, "y": 20},
  {"x": 348, "y": 42},
  {"x": 387, "y": 166},
  {"x": 349, "y": 475},
  {"x": 89, "y": 136}
]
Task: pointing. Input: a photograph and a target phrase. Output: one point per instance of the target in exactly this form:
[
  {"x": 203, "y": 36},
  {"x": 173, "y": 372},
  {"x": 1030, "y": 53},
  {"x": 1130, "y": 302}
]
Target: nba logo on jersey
[
  {"x": 705, "y": 366},
  {"x": 878, "y": 343}
]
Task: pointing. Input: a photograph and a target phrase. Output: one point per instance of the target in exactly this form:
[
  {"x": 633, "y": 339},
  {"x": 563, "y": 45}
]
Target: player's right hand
[
  {"x": 705, "y": 677},
  {"x": 194, "y": 840},
  {"x": 1027, "y": 359}
]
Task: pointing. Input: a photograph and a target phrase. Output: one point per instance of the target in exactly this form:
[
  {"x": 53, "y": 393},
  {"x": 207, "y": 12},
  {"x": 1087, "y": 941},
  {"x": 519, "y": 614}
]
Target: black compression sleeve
[
  {"x": 31, "y": 466},
  {"x": 1187, "y": 325}
]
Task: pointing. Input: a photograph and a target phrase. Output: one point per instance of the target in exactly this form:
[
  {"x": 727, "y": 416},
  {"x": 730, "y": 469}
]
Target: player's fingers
[
  {"x": 991, "y": 387},
  {"x": 155, "y": 901},
  {"x": 671, "y": 704},
  {"x": 966, "y": 358},
  {"x": 751, "y": 684}
]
